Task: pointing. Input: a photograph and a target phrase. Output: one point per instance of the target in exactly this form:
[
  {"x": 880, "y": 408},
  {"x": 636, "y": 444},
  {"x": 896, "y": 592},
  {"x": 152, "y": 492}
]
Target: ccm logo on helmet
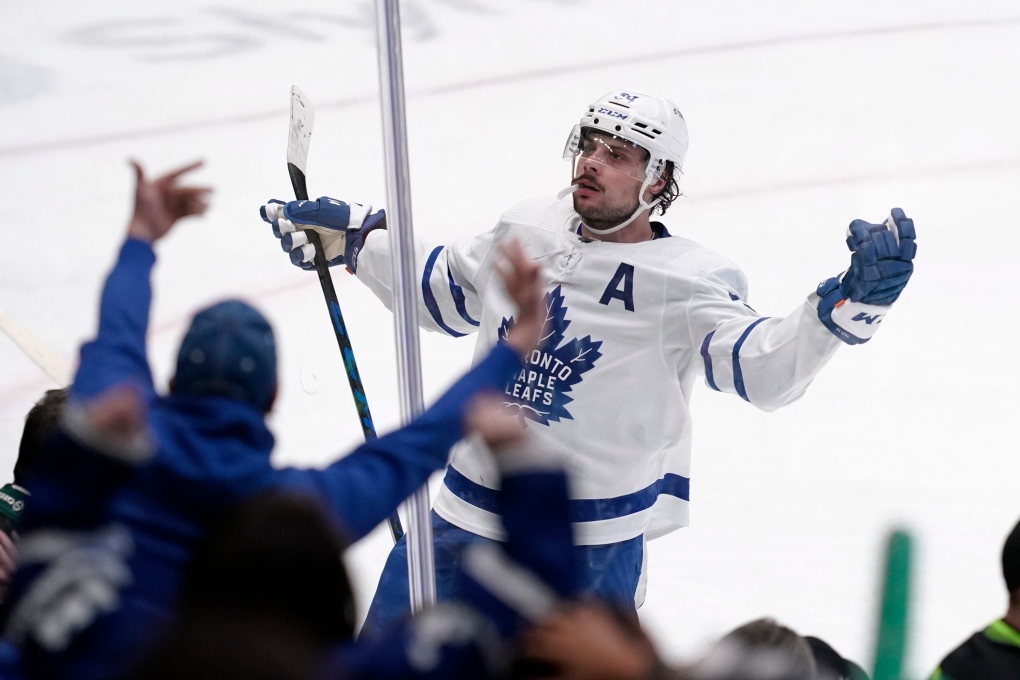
[{"x": 613, "y": 114}]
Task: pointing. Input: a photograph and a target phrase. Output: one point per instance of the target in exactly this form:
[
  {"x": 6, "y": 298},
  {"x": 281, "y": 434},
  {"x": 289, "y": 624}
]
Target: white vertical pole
[{"x": 421, "y": 567}]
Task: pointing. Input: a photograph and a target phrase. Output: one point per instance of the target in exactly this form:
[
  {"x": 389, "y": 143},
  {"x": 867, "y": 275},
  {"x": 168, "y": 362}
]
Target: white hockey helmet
[{"x": 653, "y": 123}]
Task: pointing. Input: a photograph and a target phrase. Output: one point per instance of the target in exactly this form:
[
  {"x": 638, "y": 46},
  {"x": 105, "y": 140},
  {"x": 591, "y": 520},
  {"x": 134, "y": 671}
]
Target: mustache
[{"x": 587, "y": 179}]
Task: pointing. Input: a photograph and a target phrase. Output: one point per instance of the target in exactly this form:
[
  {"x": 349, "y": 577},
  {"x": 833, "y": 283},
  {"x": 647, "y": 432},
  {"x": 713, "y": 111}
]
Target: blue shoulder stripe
[
  {"x": 429, "y": 296},
  {"x": 736, "y": 298},
  {"x": 738, "y": 375},
  {"x": 458, "y": 298},
  {"x": 709, "y": 376},
  {"x": 582, "y": 509}
]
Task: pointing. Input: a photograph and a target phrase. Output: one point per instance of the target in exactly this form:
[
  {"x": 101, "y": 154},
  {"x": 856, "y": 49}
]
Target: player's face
[{"x": 608, "y": 173}]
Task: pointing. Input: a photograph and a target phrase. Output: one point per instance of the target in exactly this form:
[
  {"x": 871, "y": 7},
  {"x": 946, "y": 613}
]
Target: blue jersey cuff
[{"x": 137, "y": 251}]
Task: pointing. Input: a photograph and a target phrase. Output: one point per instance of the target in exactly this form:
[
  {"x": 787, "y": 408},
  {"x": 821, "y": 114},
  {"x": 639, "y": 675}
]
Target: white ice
[{"x": 802, "y": 115}]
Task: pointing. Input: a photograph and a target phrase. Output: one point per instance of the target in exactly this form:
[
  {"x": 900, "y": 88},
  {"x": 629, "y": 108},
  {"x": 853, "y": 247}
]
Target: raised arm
[
  {"x": 769, "y": 362},
  {"x": 366, "y": 486},
  {"x": 117, "y": 354},
  {"x": 500, "y": 588}
]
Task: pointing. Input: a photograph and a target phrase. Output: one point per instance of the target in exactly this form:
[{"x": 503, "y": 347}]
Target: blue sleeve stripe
[
  {"x": 581, "y": 510},
  {"x": 458, "y": 298},
  {"x": 738, "y": 376},
  {"x": 429, "y": 296},
  {"x": 709, "y": 376}
]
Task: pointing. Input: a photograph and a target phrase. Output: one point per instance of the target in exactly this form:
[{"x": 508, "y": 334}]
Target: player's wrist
[
  {"x": 140, "y": 230},
  {"x": 524, "y": 336},
  {"x": 355, "y": 239},
  {"x": 852, "y": 322}
]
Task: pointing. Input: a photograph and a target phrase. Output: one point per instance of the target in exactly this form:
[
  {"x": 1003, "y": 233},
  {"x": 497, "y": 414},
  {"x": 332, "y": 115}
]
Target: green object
[
  {"x": 12, "y": 504},
  {"x": 893, "y": 622},
  {"x": 1001, "y": 632}
]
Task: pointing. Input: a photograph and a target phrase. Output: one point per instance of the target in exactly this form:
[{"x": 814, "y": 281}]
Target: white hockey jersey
[{"x": 629, "y": 327}]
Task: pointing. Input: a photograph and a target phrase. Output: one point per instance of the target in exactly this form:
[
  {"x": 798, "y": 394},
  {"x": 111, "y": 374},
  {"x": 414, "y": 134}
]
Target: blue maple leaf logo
[{"x": 539, "y": 391}]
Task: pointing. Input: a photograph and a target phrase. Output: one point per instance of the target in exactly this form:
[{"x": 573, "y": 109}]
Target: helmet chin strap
[{"x": 642, "y": 206}]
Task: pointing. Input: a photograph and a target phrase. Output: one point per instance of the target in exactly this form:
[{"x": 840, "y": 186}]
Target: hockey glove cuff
[
  {"x": 852, "y": 322},
  {"x": 355, "y": 240}
]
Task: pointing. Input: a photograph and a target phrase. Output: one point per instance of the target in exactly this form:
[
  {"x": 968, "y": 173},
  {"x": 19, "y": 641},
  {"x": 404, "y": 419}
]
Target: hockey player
[{"x": 635, "y": 314}]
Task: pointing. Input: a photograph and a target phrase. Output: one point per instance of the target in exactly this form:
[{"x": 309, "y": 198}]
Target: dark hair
[
  {"x": 759, "y": 650},
  {"x": 1011, "y": 563},
  {"x": 831, "y": 665},
  {"x": 274, "y": 556},
  {"x": 670, "y": 192},
  {"x": 230, "y": 648},
  {"x": 40, "y": 424}
]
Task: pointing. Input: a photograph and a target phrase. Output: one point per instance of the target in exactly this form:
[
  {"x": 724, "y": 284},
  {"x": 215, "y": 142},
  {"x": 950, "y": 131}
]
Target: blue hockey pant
[{"x": 610, "y": 572}]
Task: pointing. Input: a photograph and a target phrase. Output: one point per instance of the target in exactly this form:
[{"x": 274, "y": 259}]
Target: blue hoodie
[{"x": 211, "y": 452}]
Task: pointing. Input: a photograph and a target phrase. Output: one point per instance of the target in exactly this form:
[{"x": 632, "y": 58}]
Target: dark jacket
[{"x": 990, "y": 654}]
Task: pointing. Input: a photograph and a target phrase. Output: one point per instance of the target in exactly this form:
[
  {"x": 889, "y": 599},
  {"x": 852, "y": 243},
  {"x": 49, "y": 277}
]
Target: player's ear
[{"x": 655, "y": 188}]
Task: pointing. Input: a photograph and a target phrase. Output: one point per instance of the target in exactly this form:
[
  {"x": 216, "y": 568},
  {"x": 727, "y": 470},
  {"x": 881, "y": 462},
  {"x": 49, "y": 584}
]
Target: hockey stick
[
  {"x": 302, "y": 116},
  {"x": 56, "y": 367}
]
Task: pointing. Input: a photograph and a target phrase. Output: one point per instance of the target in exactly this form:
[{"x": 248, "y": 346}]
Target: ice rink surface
[{"x": 802, "y": 116}]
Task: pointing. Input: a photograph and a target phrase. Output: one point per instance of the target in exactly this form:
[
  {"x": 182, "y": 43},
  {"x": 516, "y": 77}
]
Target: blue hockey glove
[
  {"x": 852, "y": 305},
  {"x": 882, "y": 260},
  {"x": 342, "y": 228}
]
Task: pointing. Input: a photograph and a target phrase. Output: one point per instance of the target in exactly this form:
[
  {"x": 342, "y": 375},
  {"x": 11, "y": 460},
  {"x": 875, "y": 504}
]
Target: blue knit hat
[{"x": 230, "y": 351}]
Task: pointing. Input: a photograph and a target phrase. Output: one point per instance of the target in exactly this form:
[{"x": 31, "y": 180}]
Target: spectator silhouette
[{"x": 992, "y": 653}]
